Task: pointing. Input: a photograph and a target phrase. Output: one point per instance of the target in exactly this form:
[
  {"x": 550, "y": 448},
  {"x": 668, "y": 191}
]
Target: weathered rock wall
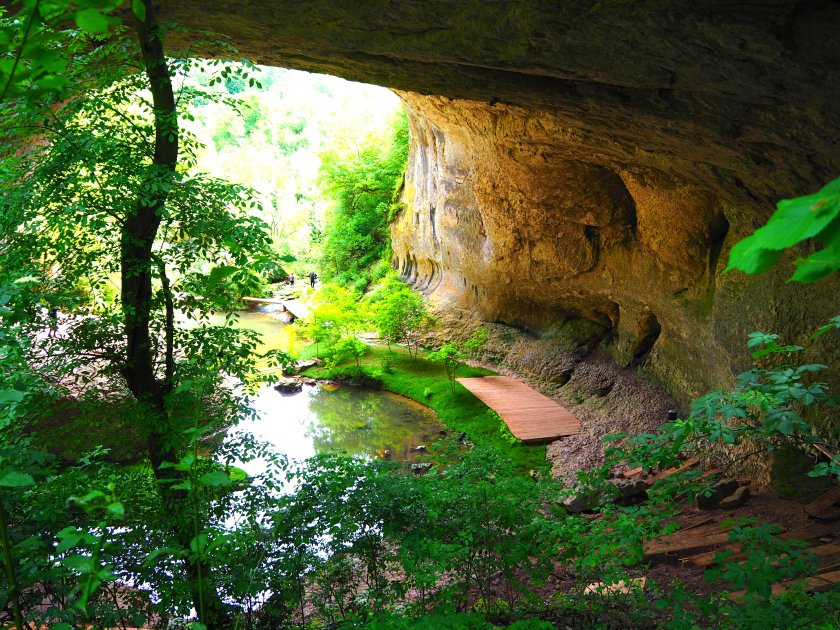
[{"x": 512, "y": 217}]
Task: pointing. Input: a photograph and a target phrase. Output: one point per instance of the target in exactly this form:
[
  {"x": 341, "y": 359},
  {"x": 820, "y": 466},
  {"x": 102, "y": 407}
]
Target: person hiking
[
  {"x": 291, "y": 279},
  {"x": 312, "y": 278},
  {"x": 53, "y": 315}
]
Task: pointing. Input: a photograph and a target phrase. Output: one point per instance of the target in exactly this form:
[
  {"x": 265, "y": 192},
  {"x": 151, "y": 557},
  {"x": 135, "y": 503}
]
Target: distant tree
[
  {"x": 452, "y": 354},
  {"x": 334, "y": 313},
  {"x": 363, "y": 184},
  {"x": 349, "y": 347},
  {"x": 399, "y": 313}
]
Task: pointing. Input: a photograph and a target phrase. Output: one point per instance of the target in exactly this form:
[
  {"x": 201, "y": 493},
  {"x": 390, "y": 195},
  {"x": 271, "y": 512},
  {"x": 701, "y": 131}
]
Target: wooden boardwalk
[{"x": 530, "y": 416}]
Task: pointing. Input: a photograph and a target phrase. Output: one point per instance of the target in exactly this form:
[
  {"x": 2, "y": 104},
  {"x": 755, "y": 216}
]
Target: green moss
[{"x": 426, "y": 382}]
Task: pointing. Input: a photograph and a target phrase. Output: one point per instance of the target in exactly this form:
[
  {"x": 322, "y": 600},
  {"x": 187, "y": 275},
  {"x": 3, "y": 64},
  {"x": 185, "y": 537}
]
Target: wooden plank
[
  {"x": 812, "y": 532},
  {"x": 689, "y": 463},
  {"x": 693, "y": 523},
  {"x": 827, "y": 555},
  {"x": 700, "y": 528},
  {"x": 809, "y": 533},
  {"x": 687, "y": 540},
  {"x": 530, "y": 416},
  {"x": 706, "y": 559},
  {"x": 816, "y": 583},
  {"x": 684, "y": 544}
]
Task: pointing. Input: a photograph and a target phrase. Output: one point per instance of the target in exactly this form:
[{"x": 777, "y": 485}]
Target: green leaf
[
  {"x": 69, "y": 541},
  {"x": 61, "y": 626},
  {"x": 159, "y": 552},
  {"x": 215, "y": 478},
  {"x": 812, "y": 216},
  {"x": 824, "y": 262},
  {"x": 117, "y": 510},
  {"x": 217, "y": 274},
  {"x": 10, "y": 396},
  {"x": 11, "y": 478},
  {"x": 834, "y": 324},
  {"x": 139, "y": 9},
  {"x": 92, "y": 21},
  {"x": 82, "y": 564},
  {"x": 28, "y": 280},
  {"x": 199, "y": 543},
  {"x": 53, "y": 82}
]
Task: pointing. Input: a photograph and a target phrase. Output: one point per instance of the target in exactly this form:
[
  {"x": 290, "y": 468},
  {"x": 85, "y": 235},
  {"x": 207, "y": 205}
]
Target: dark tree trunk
[{"x": 137, "y": 263}]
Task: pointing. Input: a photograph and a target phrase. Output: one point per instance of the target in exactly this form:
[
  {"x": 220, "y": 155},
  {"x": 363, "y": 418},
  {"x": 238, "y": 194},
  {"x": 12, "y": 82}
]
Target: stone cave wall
[{"x": 514, "y": 216}]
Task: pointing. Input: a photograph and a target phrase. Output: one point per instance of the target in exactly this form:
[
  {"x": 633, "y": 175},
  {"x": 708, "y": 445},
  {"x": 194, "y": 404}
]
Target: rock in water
[{"x": 289, "y": 386}]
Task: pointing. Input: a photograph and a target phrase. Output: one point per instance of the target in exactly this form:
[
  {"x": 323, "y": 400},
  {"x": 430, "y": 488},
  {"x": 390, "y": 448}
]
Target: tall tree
[
  {"x": 138, "y": 234},
  {"x": 108, "y": 195}
]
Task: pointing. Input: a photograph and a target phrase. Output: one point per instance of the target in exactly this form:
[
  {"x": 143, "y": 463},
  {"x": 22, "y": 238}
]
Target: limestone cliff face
[
  {"x": 570, "y": 160},
  {"x": 510, "y": 215}
]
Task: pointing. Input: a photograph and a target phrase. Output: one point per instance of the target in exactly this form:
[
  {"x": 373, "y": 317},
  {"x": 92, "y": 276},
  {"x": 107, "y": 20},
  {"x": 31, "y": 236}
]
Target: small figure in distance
[
  {"x": 312, "y": 278},
  {"x": 53, "y": 315},
  {"x": 292, "y": 279}
]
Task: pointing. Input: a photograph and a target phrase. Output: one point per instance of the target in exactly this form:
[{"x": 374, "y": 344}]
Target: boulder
[
  {"x": 420, "y": 468},
  {"x": 583, "y": 501},
  {"x": 736, "y": 499},
  {"x": 587, "y": 499},
  {"x": 719, "y": 491},
  {"x": 289, "y": 386},
  {"x": 629, "y": 488}
]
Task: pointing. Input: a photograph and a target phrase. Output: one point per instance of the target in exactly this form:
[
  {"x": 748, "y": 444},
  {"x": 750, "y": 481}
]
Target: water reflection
[
  {"x": 368, "y": 423},
  {"x": 359, "y": 422}
]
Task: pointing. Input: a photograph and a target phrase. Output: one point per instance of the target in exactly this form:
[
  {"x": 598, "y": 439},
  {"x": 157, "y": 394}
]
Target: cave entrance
[{"x": 310, "y": 145}]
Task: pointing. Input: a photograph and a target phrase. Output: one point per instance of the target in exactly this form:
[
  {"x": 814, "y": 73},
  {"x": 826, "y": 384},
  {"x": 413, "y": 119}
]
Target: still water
[{"x": 359, "y": 422}]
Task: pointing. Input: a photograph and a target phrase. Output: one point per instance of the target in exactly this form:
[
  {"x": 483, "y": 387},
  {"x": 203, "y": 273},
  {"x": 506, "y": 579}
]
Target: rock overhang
[{"x": 585, "y": 159}]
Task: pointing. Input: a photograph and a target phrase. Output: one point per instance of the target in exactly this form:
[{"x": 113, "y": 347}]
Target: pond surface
[
  {"x": 360, "y": 422},
  {"x": 275, "y": 334}
]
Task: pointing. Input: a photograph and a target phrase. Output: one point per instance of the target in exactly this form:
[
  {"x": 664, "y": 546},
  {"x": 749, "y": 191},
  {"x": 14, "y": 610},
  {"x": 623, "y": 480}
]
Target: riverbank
[{"x": 426, "y": 382}]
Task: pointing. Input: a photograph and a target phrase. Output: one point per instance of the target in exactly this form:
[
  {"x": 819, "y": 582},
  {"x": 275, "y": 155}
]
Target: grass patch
[{"x": 459, "y": 410}]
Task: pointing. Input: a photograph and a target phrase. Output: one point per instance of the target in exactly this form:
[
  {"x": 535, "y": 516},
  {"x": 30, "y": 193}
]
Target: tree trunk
[{"x": 137, "y": 263}]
